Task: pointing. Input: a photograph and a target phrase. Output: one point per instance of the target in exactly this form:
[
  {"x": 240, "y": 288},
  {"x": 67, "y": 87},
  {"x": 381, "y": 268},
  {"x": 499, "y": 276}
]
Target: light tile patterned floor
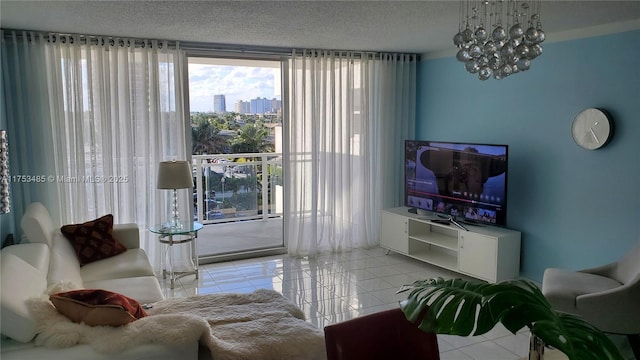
[{"x": 337, "y": 287}]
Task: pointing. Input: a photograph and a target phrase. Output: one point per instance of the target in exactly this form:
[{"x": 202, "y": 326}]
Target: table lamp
[{"x": 175, "y": 175}]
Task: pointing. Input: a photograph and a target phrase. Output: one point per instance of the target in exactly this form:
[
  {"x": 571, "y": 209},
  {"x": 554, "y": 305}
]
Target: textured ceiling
[{"x": 403, "y": 26}]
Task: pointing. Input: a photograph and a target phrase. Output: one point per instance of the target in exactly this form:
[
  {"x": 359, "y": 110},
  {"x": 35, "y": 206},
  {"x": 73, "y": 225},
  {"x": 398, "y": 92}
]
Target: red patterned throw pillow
[
  {"x": 96, "y": 307},
  {"x": 93, "y": 240}
]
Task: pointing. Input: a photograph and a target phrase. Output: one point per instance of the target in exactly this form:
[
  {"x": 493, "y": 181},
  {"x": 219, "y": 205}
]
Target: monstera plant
[{"x": 462, "y": 307}]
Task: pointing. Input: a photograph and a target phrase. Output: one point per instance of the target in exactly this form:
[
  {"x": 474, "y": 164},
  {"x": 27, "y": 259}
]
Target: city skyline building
[
  {"x": 243, "y": 107},
  {"x": 257, "y": 106},
  {"x": 265, "y": 106},
  {"x": 219, "y": 104}
]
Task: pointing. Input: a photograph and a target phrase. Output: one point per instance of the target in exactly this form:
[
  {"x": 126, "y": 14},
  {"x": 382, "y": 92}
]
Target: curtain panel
[
  {"x": 348, "y": 114},
  {"x": 92, "y": 120}
]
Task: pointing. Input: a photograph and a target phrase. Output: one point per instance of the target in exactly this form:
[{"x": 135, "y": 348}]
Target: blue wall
[{"x": 576, "y": 208}]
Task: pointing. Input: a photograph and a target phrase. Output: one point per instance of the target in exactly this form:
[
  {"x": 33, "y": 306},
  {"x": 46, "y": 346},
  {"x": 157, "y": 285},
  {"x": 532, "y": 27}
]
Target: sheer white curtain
[
  {"x": 106, "y": 113},
  {"x": 348, "y": 115}
]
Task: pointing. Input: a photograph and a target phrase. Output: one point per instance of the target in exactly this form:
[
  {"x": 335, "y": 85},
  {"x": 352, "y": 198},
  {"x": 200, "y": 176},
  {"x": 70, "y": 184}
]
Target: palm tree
[
  {"x": 251, "y": 138},
  {"x": 206, "y": 138}
]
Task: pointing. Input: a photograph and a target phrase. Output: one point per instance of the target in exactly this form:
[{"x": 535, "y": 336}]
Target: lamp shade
[{"x": 174, "y": 175}]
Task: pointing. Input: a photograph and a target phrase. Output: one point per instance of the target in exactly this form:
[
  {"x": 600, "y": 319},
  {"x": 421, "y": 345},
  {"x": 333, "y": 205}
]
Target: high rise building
[
  {"x": 258, "y": 106},
  {"x": 276, "y": 105},
  {"x": 265, "y": 106},
  {"x": 243, "y": 107},
  {"x": 219, "y": 105}
]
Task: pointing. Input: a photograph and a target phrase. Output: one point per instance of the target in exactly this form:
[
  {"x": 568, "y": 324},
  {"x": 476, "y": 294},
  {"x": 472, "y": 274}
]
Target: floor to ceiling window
[{"x": 236, "y": 127}]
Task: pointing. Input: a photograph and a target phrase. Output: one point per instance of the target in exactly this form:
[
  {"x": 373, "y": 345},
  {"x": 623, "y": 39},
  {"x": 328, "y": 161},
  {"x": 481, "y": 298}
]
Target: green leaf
[{"x": 461, "y": 307}]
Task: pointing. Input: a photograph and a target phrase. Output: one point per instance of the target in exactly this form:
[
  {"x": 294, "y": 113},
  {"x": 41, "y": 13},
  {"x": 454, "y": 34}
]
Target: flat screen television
[{"x": 463, "y": 180}]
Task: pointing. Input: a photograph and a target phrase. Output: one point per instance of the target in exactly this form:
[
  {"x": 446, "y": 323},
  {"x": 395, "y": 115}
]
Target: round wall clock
[{"x": 592, "y": 129}]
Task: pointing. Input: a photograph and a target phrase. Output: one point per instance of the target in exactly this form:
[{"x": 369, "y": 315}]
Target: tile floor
[{"x": 337, "y": 287}]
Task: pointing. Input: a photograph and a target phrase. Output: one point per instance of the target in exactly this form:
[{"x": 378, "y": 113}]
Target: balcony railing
[{"x": 232, "y": 187}]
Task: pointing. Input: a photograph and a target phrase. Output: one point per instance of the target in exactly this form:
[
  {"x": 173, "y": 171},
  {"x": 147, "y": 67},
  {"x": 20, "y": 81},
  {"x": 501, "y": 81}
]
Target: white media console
[{"x": 485, "y": 252}]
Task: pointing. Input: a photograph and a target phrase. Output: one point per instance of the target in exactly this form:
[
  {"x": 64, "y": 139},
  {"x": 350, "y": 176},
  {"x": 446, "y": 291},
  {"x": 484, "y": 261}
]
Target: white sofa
[{"x": 48, "y": 259}]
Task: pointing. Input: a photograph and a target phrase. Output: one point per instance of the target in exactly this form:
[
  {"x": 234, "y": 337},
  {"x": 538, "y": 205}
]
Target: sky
[{"x": 235, "y": 82}]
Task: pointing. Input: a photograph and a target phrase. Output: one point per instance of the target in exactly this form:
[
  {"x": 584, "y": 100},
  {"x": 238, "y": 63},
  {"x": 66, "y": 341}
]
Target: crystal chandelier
[{"x": 498, "y": 37}]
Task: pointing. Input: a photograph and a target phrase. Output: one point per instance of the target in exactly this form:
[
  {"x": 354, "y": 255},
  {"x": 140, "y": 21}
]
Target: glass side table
[{"x": 169, "y": 236}]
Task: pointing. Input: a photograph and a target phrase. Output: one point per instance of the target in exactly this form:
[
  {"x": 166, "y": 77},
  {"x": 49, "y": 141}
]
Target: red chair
[{"x": 385, "y": 335}]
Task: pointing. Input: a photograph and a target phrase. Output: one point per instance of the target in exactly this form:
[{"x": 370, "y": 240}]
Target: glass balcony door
[{"x": 236, "y": 123}]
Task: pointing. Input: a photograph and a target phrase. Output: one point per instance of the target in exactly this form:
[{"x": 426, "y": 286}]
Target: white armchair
[{"x": 607, "y": 296}]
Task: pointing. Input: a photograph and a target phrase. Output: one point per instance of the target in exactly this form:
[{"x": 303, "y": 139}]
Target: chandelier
[{"x": 500, "y": 37}]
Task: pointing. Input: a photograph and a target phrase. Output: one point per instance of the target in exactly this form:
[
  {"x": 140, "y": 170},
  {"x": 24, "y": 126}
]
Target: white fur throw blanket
[{"x": 259, "y": 325}]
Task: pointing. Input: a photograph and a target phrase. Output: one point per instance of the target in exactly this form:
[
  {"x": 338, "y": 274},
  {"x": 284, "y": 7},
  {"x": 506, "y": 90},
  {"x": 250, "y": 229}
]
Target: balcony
[{"x": 238, "y": 216}]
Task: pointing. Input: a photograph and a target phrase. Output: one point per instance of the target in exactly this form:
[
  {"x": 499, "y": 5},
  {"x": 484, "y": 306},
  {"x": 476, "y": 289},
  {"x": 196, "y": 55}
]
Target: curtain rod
[
  {"x": 87, "y": 39},
  {"x": 279, "y": 51},
  {"x": 186, "y": 45}
]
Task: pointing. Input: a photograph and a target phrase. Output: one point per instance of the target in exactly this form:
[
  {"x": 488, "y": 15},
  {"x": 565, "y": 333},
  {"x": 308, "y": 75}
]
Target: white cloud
[{"x": 235, "y": 82}]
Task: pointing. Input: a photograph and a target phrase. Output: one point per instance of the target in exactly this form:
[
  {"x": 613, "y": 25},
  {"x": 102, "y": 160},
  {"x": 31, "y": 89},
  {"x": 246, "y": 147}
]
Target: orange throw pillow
[
  {"x": 93, "y": 240},
  {"x": 96, "y": 307}
]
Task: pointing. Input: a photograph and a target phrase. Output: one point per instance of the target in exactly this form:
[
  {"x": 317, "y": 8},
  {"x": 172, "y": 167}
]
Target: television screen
[{"x": 467, "y": 181}]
